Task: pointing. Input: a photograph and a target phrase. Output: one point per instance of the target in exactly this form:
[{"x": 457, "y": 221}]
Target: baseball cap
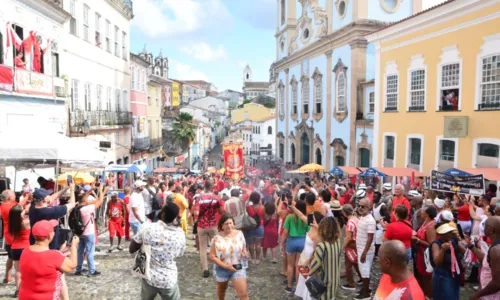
[
  {"x": 139, "y": 183},
  {"x": 360, "y": 193},
  {"x": 387, "y": 186},
  {"x": 445, "y": 228},
  {"x": 114, "y": 193},
  {"x": 43, "y": 228},
  {"x": 362, "y": 186},
  {"x": 439, "y": 202},
  {"x": 414, "y": 193},
  {"x": 86, "y": 188},
  {"x": 40, "y": 194},
  {"x": 447, "y": 215}
]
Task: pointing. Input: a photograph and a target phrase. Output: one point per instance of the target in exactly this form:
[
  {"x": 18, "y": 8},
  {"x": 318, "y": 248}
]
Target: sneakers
[
  {"x": 348, "y": 287},
  {"x": 111, "y": 249},
  {"x": 96, "y": 273},
  {"x": 288, "y": 290},
  {"x": 363, "y": 295},
  {"x": 206, "y": 273}
]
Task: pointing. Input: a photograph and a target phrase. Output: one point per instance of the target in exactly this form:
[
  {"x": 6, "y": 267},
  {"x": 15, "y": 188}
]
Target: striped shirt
[
  {"x": 326, "y": 264},
  {"x": 352, "y": 226}
]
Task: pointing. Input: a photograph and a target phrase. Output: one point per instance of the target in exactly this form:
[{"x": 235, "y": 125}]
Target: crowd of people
[{"x": 323, "y": 234}]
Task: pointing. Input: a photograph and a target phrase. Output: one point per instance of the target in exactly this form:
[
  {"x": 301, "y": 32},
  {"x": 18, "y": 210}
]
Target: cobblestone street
[{"x": 116, "y": 281}]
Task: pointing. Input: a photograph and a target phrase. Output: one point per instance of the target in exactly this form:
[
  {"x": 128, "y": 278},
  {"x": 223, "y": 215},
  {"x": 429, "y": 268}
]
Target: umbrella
[
  {"x": 312, "y": 168},
  {"x": 456, "y": 172},
  {"x": 371, "y": 172},
  {"x": 78, "y": 178},
  {"x": 337, "y": 172},
  {"x": 298, "y": 171}
]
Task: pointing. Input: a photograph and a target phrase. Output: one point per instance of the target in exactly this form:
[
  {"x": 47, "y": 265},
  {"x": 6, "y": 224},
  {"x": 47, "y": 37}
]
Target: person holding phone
[{"x": 227, "y": 253}]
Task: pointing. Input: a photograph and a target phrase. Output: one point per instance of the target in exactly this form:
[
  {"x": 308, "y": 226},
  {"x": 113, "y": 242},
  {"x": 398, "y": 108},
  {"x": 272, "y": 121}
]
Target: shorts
[
  {"x": 8, "y": 248},
  {"x": 135, "y": 227},
  {"x": 223, "y": 275},
  {"x": 255, "y": 233},
  {"x": 295, "y": 244},
  {"x": 115, "y": 229},
  {"x": 366, "y": 267}
]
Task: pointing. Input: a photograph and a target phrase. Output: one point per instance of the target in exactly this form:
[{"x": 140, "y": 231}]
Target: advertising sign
[
  {"x": 34, "y": 83},
  {"x": 470, "y": 185},
  {"x": 233, "y": 160}
]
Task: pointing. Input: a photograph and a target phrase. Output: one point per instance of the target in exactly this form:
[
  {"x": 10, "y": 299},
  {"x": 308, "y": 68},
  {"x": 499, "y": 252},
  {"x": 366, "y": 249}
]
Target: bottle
[{"x": 244, "y": 262}]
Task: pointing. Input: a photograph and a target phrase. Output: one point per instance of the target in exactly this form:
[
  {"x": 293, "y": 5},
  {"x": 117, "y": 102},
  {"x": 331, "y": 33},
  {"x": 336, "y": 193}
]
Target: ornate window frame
[
  {"x": 364, "y": 145},
  {"x": 318, "y": 87},
  {"x": 295, "y": 98},
  {"x": 391, "y": 69},
  {"x": 489, "y": 48},
  {"x": 281, "y": 89},
  {"x": 305, "y": 93},
  {"x": 408, "y": 150},
  {"x": 450, "y": 56},
  {"x": 339, "y": 149},
  {"x": 416, "y": 65},
  {"x": 340, "y": 70},
  {"x": 387, "y": 8}
]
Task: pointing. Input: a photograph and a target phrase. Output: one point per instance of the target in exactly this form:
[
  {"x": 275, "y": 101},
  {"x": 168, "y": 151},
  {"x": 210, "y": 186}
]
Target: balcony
[
  {"x": 140, "y": 144},
  {"x": 155, "y": 144},
  {"x": 80, "y": 120}
]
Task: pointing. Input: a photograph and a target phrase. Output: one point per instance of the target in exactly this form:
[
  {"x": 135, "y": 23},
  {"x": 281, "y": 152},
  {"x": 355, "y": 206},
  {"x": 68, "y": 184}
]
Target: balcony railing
[
  {"x": 391, "y": 108},
  {"x": 141, "y": 144},
  {"x": 98, "y": 119},
  {"x": 416, "y": 108},
  {"x": 489, "y": 106},
  {"x": 156, "y": 144}
]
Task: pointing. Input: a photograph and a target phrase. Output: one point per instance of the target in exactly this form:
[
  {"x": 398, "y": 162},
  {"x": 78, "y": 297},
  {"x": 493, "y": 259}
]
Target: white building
[
  {"x": 96, "y": 47},
  {"x": 233, "y": 97},
  {"x": 30, "y": 97},
  {"x": 192, "y": 92},
  {"x": 251, "y": 88},
  {"x": 258, "y": 137}
]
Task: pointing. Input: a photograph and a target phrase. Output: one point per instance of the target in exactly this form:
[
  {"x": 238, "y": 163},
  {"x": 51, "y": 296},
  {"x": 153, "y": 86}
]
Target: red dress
[
  {"x": 270, "y": 239},
  {"x": 420, "y": 254}
]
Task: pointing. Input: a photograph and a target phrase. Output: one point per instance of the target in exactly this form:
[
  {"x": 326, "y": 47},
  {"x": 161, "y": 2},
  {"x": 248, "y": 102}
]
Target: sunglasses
[{"x": 362, "y": 206}]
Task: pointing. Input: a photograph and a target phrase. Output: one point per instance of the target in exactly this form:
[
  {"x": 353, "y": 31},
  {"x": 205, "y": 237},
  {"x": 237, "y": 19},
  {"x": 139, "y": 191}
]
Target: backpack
[
  {"x": 156, "y": 200},
  {"x": 75, "y": 221}
]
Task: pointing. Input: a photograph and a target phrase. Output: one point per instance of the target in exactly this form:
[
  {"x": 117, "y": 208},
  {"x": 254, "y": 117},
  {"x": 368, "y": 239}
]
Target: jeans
[
  {"x": 449, "y": 287},
  {"x": 86, "y": 246},
  {"x": 149, "y": 292},
  {"x": 135, "y": 227},
  {"x": 408, "y": 255}
]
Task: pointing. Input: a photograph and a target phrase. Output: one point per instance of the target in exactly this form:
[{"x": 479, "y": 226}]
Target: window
[
  {"x": 98, "y": 95},
  {"x": 450, "y": 87},
  {"x": 341, "y": 89},
  {"x": 415, "y": 151},
  {"x": 371, "y": 103},
  {"x": 124, "y": 43},
  {"x": 447, "y": 150},
  {"x": 117, "y": 30},
  {"x": 117, "y": 100},
  {"x": 74, "y": 94},
  {"x": 490, "y": 83},
  {"x": 149, "y": 96},
  {"x": 417, "y": 90},
  {"x": 364, "y": 158},
  {"x": 157, "y": 97},
  {"x": 389, "y": 147},
  {"x": 341, "y": 9},
  {"x": 490, "y": 150},
  {"x": 318, "y": 93},
  {"x": 55, "y": 63},
  {"x": 125, "y": 101},
  {"x": 143, "y": 81},
  {"x": 87, "y": 99},
  {"x": 305, "y": 96},
  {"x": 97, "y": 30},
  {"x": 391, "y": 93},
  {"x": 72, "y": 20},
  {"x": 132, "y": 77},
  {"x": 86, "y": 11},
  {"x": 339, "y": 161},
  {"x": 108, "y": 41},
  {"x": 282, "y": 15},
  {"x": 269, "y": 130},
  {"x": 108, "y": 99}
]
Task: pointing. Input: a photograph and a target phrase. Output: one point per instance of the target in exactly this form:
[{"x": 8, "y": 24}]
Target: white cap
[
  {"x": 360, "y": 193},
  {"x": 387, "y": 186},
  {"x": 414, "y": 193},
  {"x": 447, "y": 215},
  {"x": 362, "y": 186},
  {"x": 439, "y": 202},
  {"x": 139, "y": 183}
]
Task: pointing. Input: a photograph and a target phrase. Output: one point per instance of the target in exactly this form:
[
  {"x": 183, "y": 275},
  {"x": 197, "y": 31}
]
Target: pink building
[{"x": 138, "y": 105}]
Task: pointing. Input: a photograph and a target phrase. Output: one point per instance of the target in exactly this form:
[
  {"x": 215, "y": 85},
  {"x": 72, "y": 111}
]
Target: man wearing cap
[
  {"x": 41, "y": 210},
  {"x": 387, "y": 194},
  {"x": 115, "y": 213},
  {"x": 360, "y": 194},
  {"x": 399, "y": 199},
  {"x": 137, "y": 214}
]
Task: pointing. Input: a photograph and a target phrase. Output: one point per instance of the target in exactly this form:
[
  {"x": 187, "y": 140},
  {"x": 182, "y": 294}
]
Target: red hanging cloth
[{"x": 37, "y": 55}]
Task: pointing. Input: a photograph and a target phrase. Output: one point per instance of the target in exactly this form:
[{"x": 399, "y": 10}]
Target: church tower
[{"x": 247, "y": 75}]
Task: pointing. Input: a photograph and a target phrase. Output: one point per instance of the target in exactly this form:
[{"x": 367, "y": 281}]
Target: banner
[
  {"x": 233, "y": 160},
  {"x": 470, "y": 185},
  {"x": 6, "y": 78},
  {"x": 34, "y": 83}
]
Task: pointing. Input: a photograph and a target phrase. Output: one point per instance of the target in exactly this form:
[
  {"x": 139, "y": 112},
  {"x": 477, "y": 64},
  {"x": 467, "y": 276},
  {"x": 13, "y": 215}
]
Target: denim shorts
[
  {"x": 295, "y": 244},
  {"x": 223, "y": 275},
  {"x": 255, "y": 233}
]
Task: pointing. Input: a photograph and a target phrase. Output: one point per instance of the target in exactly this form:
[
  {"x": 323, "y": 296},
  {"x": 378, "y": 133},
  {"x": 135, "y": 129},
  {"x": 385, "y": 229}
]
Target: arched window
[
  {"x": 318, "y": 156},
  {"x": 341, "y": 104},
  {"x": 269, "y": 130}
]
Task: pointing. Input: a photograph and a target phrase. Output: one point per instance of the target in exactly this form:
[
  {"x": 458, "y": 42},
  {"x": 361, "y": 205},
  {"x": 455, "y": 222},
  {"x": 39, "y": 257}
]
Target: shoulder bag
[
  {"x": 247, "y": 222},
  {"x": 142, "y": 261}
]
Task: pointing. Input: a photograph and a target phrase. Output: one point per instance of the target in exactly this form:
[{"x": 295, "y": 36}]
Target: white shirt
[
  {"x": 366, "y": 225},
  {"x": 147, "y": 198},
  {"x": 136, "y": 201}
]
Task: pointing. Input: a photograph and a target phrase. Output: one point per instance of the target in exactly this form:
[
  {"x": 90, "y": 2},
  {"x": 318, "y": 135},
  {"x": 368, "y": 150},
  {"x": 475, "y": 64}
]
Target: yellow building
[
  {"x": 154, "y": 110},
  {"x": 175, "y": 94},
  {"x": 437, "y": 88},
  {"x": 251, "y": 112}
]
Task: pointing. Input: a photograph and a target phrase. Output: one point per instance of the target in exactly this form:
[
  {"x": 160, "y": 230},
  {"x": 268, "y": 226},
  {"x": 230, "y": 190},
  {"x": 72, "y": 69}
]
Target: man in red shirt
[
  {"x": 115, "y": 213},
  {"x": 349, "y": 193},
  {"x": 46, "y": 184},
  {"x": 369, "y": 192},
  {"x": 10, "y": 201},
  {"x": 398, "y": 199}
]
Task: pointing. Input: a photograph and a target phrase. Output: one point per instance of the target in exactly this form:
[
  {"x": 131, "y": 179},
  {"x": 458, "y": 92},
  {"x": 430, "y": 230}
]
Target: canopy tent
[
  {"x": 401, "y": 172},
  {"x": 48, "y": 148},
  {"x": 492, "y": 174},
  {"x": 131, "y": 168},
  {"x": 456, "y": 172},
  {"x": 165, "y": 170},
  {"x": 340, "y": 171},
  {"x": 371, "y": 172}
]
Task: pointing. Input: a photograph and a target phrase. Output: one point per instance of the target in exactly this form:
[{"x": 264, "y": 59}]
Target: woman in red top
[
  {"x": 255, "y": 235},
  {"x": 400, "y": 230},
  {"x": 463, "y": 214},
  {"x": 270, "y": 240},
  {"x": 126, "y": 200},
  {"x": 19, "y": 229},
  {"x": 42, "y": 268}
]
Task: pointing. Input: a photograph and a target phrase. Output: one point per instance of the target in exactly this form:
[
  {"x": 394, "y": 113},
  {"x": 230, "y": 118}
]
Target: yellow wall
[
  {"x": 256, "y": 112},
  {"x": 482, "y": 124},
  {"x": 154, "y": 110},
  {"x": 175, "y": 94}
]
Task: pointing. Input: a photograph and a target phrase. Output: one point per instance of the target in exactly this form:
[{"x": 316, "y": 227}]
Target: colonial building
[
  {"x": 437, "y": 94},
  {"x": 33, "y": 92},
  {"x": 233, "y": 97},
  {"x": 141, "y": 140},
  {"x": 96, "y": 43},
  {"x": 192, "y": 92},
  {"x": 324, "y": 77},
  {"x": 251, "y": 88}
]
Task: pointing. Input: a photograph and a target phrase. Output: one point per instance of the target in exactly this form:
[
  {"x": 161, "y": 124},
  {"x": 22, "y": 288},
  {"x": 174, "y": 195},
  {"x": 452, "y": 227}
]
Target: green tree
[{"x": 183, "y": 133}]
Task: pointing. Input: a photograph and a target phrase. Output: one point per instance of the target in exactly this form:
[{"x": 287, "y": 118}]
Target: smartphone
[
  {"x": 310, "y": 219},
  {"x": 237, "y": 267},
  {"x": 69, "y": 179}
]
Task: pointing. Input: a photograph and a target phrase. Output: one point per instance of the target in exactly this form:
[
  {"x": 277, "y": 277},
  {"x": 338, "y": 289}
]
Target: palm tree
[{"x": 183, "y": 132}]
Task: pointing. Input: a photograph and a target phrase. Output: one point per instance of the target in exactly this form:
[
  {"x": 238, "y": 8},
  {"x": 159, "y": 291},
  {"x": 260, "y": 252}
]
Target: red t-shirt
[
  {"x": 220, "y": 185},
  {"x": 40, "y": 274},
  {"x": 406, "y": 290},
  {"x": 397, "y": 201},
  {"x": 6, "y": 206},
  {"x": 399, "y": 230},
  {"x": 260, "y": 211},
  {"x": 463, "y": 213},
  {"x": 50, "y": 185},
  {"x": 209, "y": 205},
  {"x": 115, "y": 210}
]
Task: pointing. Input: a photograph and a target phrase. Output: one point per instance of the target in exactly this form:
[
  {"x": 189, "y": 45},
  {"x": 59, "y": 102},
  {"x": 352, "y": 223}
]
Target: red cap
[{"x": 44, "y": 228}]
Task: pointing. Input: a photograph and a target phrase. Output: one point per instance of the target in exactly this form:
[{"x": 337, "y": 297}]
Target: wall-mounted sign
[
  {"x": 34, "y": 83},
  {"x": 455, "y": 127}
]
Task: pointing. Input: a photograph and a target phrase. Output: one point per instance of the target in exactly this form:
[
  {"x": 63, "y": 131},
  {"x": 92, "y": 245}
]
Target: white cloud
[
  {"x": 156, "y": 18},
  {"x": 182, "y": 71},
  {"x": 204, "y": 52}
]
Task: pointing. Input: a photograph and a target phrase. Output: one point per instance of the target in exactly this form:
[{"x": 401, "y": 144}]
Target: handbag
[
  {"x": 142, "y": 262},
  {"x": 247, "y": 222},
  {"x": 315, "y": 286}
]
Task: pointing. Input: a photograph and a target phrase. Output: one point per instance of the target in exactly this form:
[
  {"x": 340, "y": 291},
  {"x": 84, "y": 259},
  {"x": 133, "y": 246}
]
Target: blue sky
[{"x": 210, "y": 40}]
